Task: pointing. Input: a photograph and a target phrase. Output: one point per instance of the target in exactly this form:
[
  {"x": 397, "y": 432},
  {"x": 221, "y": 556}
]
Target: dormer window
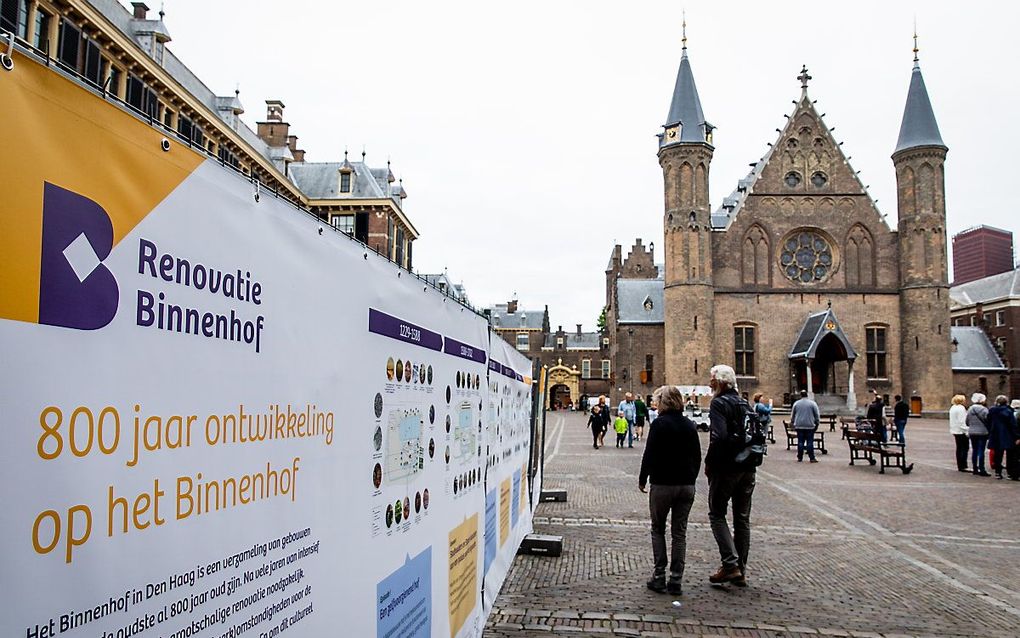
[
  {"x": 524, "y": 320},
  {"x": 345, "y": 182}
]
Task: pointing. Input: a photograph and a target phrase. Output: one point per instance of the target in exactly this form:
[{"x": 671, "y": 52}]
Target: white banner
[{"x": 219, "y": 419}]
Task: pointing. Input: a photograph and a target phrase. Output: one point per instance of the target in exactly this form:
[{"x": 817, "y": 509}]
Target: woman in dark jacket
[
  {"x": 1002, "y": 432},
  {"x": 596, "y": 424}
]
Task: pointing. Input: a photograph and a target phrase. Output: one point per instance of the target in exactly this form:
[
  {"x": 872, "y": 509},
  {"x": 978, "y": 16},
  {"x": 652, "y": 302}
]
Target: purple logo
[{"x": 75, "y": 289}]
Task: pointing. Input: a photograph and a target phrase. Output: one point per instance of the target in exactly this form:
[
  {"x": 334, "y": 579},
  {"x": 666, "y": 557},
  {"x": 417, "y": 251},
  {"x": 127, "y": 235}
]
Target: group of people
[
  {"x": 979, "y": 427},
  {"x": 670, "y": 467},
  {"x": 628, "y": 424}
]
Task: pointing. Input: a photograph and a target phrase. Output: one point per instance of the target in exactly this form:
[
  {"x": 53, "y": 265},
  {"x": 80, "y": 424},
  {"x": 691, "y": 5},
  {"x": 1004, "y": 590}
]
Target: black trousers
[{"x": 962, "y": 447}]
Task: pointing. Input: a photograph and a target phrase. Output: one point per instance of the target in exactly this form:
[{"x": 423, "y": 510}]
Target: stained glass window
[{"x": 806, "y": 257}]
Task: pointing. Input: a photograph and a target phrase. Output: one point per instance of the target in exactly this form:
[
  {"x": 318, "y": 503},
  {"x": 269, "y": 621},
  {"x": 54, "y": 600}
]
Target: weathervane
[
  {"x": 915, "y": 40},
  {"x": 684, "y": 29}
]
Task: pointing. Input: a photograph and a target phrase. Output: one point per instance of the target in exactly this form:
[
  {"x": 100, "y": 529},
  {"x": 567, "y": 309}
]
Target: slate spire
[
  {"x": 685, "y": 108},
  {"x": 918, "y": 127}
]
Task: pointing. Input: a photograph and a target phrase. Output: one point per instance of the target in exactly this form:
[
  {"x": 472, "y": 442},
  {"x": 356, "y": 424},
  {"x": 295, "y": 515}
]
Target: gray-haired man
[{"x": 727, "y": 479}]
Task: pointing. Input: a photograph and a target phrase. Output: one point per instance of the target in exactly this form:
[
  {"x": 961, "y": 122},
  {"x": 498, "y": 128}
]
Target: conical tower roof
[
  {"x": 685, "y": 108},
  {"x": 918, "y": 127}
]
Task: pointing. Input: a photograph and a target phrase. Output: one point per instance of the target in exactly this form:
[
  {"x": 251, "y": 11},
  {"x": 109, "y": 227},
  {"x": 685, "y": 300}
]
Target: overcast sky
[{"x": 524, "y": 130}]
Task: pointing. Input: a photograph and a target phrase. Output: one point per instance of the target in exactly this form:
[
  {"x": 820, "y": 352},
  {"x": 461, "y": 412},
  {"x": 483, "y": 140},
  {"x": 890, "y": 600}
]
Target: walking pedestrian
[
  {"x": 805, "y": 417},
  {"x": 977, "y": 430},
  {"x": 727, "y": 479},
  {"x": 669, "y": 466},
  {"x": 901, "y": 412},
  {"x": 629, "y": 411},
  {"x": 604, "y": 414},
  {"x": 1003, "y": 435},
  {"x": 640, "y": 414},
  {"x": 958, "y": 428},
  {"x": 596, "y": 425},
  {"x": 621, "y": 426}
]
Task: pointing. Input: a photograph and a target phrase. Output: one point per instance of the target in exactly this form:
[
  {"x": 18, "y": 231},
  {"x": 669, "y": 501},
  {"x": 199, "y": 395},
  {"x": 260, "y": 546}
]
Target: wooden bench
[
  {"x": 791, "y": 438},
  {"x": 864, "y": 446}
]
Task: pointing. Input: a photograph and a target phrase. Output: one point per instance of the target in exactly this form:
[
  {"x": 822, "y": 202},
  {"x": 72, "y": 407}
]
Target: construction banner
[{"x": 220, "y": 420}]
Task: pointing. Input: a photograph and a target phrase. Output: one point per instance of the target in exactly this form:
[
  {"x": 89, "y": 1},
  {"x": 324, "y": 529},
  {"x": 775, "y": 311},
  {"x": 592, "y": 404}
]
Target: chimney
[
  {"x": 141, "y": 10},
  {"x": 578, "y": 330},
  {"x": 511, "y": 307},
  {"x": 274, "y": 110}
]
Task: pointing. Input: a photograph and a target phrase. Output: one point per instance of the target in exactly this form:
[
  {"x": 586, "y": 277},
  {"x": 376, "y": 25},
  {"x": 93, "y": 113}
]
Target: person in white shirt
[{"x": 958, "y": 428}]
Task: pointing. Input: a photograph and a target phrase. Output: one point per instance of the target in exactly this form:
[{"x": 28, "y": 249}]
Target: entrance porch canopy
[{"x": 822, "y": 328}]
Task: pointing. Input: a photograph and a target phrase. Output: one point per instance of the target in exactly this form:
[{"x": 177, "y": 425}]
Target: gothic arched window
[{"x": 755, "y": 257}]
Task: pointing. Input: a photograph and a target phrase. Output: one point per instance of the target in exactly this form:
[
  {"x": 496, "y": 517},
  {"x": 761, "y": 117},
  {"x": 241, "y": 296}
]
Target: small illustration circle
[
  {"x": 407, "y": 371},
  {"x": 478, "y": 381},
  {"x": 417, "y": 502},
  {"x": 432, "y": 414},
  {"x": 421, "y": 374},
  {"x": 448, "y": 394},
  {"x": 447, "y": 455},
  {"x": 407, "y": 508},
  {"x": 432, "y": 448},
  {"x": 389, "y": 516},
  {"x": 377, "y": 438},
  {"x": 458, "y": 378},
  {"x": 447, "y": 423},
  {"x": 455, "y": 487},
  {"x": 389, "y": 369},
  {"x": 398, "y": 512},
  {"x": 400, "y": 369},
  {"x": 378, "y": 405},
  {"x": 377, "y": 476},
  {"x": 425, "y": 498},
  {"x": 429, "y": 375}
]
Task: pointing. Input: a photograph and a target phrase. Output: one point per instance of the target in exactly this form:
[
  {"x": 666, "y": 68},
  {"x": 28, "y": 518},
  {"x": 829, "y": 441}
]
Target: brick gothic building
[
  {"x": 634, "y": 321},
  {"x": 797, "y": 280},
  {"x": 578, "y": 361}
]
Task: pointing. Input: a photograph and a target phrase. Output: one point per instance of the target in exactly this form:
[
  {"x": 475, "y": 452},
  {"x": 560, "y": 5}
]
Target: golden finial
[
  {"x": 915, "y": 40},
  {"x": 684, "y": 27}
]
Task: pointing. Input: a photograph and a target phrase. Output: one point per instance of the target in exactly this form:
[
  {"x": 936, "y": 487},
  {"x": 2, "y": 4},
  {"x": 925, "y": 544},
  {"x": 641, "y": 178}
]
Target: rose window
[{"x": 806, "y": 257}]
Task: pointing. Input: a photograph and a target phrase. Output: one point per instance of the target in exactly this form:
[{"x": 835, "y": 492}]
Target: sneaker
[
  {"x": 657, "y": 584},
  {"x": 814, "y": 460},
  {"x": 983, "y": 473},
  {"x": 726, "y": 574},
  {"x": 674, "y": 588}
]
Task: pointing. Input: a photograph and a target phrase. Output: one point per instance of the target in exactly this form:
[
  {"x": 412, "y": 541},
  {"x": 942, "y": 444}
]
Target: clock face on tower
[{"x": 671, "y": 134}]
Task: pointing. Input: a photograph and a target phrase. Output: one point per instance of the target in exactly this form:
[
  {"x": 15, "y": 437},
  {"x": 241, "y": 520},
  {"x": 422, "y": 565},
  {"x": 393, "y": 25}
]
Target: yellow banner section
[
  {"x": 61, "y": 133},
  {"x": 504, "y": 511},
  {"x": 463, "y": 572}
]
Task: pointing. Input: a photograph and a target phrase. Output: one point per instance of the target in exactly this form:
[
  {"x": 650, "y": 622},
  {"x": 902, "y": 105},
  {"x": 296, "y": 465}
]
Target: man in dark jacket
[
  {"x": 876, "y": 416},
  {"x": 728, "y": 480},
  {"x": 901, "y": 411},
  {"x": 671, "y": 461}
]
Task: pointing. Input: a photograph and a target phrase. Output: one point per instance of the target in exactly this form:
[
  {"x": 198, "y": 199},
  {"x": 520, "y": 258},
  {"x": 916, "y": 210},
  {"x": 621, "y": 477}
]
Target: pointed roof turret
[
  {"x": 685, "y": 108},
  {"x": 918, "y": 127}
]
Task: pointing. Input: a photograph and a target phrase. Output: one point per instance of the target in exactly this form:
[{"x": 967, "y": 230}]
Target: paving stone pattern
[{"x": 836, "y": 550}]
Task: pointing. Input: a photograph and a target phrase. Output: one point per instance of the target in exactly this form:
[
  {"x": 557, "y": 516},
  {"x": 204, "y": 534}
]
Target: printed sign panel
[{"x": 220, "y": 420}]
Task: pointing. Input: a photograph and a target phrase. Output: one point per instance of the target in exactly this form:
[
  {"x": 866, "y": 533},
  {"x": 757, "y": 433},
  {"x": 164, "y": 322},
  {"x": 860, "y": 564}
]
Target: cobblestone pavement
[{"x": 835, "y": 551}]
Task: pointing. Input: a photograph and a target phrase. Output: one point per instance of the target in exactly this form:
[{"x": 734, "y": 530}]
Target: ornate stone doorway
[{"x": 564, "y": 387}]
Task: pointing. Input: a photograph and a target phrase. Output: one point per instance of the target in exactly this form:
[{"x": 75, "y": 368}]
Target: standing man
[
  {"x": 901, "y": 410},
  {"x": 805, "y": 421},
  {"x": 630, "y": 413},
  {"x": 876, "y": 414},
  {"x": 671, "y": 462},
  {"x": 728, "y": 480},
  {"x": 641, "y": 413}
]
